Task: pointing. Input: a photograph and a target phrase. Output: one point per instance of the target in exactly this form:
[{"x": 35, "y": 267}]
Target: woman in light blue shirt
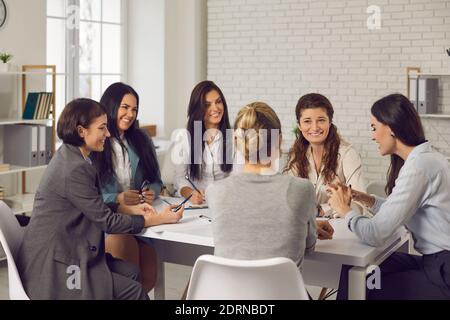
[{"x": 418, "y": 191}]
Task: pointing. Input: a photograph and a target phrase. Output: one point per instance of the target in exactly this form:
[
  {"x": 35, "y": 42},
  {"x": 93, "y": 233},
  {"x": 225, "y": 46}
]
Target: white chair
[
  {"x": 216, "y": 278},
  {"x": 11, "y": 236},
  {"x": 167, "y": 167},
  {"x": 377, "y": 188}
]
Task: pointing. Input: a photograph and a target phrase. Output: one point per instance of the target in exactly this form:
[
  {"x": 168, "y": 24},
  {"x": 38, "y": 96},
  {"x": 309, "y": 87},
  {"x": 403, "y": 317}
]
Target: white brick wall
[{"x": 278, "y": 50}]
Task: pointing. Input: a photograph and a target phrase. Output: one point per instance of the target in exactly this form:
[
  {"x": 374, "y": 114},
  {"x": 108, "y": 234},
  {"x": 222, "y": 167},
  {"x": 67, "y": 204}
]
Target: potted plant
[{"x": 5, "y": 58}]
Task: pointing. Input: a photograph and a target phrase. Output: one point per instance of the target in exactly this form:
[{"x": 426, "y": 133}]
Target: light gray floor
[{"x": 177, "y": 277}]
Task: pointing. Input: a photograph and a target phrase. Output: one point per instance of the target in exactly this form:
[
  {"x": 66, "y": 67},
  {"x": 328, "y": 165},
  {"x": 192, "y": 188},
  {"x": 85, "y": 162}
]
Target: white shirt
[
  {"x": 420, "y": 200},
  {"x": 349, "y": 172},
  {"x": 121, "y": 163},
  {"x": 211, "y": 162}
]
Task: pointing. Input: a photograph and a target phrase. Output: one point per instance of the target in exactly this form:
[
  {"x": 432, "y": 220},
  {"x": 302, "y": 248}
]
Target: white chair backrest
[
  {"x": 377, "y": 188},
  {"x": 216, "y": 278},
  {"x": 11, "y": 236},
  {"x": 166, "y": 165}
]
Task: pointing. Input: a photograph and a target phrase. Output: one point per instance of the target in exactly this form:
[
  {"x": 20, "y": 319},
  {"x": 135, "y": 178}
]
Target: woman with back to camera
[
  {"x": 212, "y": 161},
  {"x": 319, "y": 153},
  {"x": 62, "y": 255},
  {"x": 259, "y": 213},
  {"x": 418, "y": 184}
]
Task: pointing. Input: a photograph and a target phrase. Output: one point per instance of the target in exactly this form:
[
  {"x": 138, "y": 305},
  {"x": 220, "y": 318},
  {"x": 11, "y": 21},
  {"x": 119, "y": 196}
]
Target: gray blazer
[{"x": 63, "y": 252}]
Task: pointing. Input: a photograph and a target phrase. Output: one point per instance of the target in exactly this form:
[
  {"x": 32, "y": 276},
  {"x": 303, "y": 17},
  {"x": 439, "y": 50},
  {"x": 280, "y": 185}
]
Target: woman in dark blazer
[{"x": 62, "y": 255}]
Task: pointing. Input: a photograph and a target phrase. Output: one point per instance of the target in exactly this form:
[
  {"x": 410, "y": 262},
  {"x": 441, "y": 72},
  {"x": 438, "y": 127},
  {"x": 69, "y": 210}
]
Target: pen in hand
[
  {"x": 181, "y": 204},
  {"x": 192, "y": 184},
  {"x": 199, "y": 196}
]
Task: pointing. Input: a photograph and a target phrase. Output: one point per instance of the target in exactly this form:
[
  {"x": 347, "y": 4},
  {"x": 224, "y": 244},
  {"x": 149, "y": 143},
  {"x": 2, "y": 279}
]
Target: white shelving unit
[
  {"x": 415, "y": 73},
  {"x": 30, "y": 73},
  {"x": 23, "y": 202},
  {"x": 435, "y": 116},
  {"x": 19, "y": 169},
  {"x": 6, "y": 121}
]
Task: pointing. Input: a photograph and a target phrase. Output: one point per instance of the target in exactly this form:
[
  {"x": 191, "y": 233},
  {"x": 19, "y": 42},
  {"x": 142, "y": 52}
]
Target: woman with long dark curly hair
[{"x": 319, "y": 154}]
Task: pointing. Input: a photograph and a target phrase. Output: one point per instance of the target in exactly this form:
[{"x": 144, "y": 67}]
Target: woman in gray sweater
[{"x": 260, "y": 213}]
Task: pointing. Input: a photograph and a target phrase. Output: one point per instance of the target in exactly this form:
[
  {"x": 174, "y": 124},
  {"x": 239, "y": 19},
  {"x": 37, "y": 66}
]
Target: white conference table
[{"x": 184, "y": 242}]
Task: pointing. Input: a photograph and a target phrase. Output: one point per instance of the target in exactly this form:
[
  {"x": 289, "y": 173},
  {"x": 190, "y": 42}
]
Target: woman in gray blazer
[{"x": 63, "y": 252}]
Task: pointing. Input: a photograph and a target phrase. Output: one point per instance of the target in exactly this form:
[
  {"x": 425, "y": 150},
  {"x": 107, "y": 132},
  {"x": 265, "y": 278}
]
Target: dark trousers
[
  {"x": 126, "y": 280},
  {"x": 408, "y": 277}
]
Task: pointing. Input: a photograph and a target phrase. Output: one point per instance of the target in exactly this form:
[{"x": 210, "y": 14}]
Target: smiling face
[
  {"x": 95, "y": 135},
  {"x": 214, "y": 110},
  {"x": 126, "y": 113},
  {"x": 314, "y": 125},
  {"x": 382, "y": 135}
]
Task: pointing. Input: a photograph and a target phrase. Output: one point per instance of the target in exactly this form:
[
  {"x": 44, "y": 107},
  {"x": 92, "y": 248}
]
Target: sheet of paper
[
  {"x": 189, "y": 220},
  {"x": 166, "y": 200}
]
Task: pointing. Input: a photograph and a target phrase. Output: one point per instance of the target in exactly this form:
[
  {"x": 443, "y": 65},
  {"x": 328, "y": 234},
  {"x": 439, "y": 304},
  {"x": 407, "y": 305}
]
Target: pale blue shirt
[{"x": 420, "y": 201}]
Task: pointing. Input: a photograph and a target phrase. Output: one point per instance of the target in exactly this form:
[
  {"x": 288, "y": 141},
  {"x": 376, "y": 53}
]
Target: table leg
[
  {"x": 160, "y": 285},
  {"x": 357, "y": 283}
]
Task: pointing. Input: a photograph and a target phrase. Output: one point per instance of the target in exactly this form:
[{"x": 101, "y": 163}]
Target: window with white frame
[{"x": 85, "y": 41}]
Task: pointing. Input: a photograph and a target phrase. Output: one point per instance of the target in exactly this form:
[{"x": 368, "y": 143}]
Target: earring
[{"x": 392, "y": 135}]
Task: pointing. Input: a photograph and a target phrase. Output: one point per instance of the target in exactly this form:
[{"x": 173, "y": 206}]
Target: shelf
[
  {"x": 21, "y": 73},
  {"x": 20, "y": 203},
  {"x": 435, "y": 116},
  {"x": 431, "y": 74},
  {"x": 5, "y": 121},
  {"x": 17, "y": 169}
]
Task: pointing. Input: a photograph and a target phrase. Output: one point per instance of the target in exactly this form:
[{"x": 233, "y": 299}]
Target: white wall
[
  {"x": 166, "y": 58},
  {"x": 24, "y": 32},
  {"x": 145, "y": 54},
  {"x": 278, "y": 50},
  {"x": 25, "y": 41},
  {"x": 24, "y": 36},
  {"x": 185, "y": 53}
]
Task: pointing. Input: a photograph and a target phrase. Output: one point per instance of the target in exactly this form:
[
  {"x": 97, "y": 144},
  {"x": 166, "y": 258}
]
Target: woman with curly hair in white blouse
[{"x": 319, "y": 153}]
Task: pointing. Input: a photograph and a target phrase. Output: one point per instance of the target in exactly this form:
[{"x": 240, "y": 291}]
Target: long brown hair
[
  {"x": 196, "y": 112},
  {"x": 398, "y": 113},
  {"x": 298, "y": 161}
]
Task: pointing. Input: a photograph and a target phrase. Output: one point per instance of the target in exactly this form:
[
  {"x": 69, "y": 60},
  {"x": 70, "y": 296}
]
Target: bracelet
[{"x": 349, "y": 224}]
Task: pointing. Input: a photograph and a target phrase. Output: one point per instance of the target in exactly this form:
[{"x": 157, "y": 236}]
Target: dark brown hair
[
  {"x": 141, "y": 143},
  {"x": 398, "y": 113},
  {"x": 79, "y": 112},
  {"x": 196, "y": 111},
  {"x": 298, "y": 161}
]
